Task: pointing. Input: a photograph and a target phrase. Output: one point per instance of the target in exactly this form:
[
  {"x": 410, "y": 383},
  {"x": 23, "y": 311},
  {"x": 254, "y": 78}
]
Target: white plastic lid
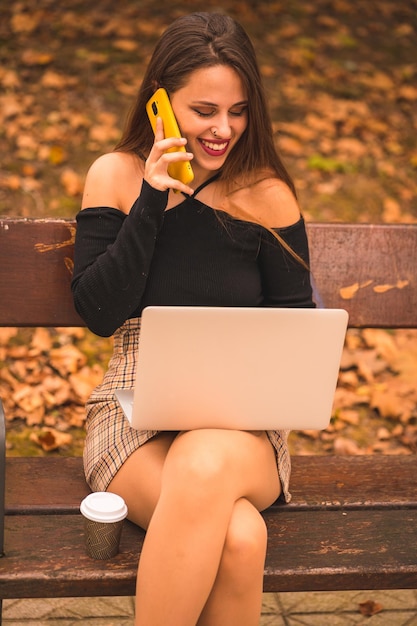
[{"x": 103, "y": 506}]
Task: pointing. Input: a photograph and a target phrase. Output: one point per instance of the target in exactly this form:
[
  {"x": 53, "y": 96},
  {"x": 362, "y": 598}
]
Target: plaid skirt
[{"x": 110, "y": 440}]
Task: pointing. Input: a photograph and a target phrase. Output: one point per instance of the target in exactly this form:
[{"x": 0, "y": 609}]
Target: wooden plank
[
  {"x": 349, "y": 482},
  {"x": 307, "y": 551},
  {"x": 317, "y": 482},
  {"x": 45, "y": 557},
  {"x": 36, "y": 256},
  {"x": 378, "y": 260},
  {"x": 36, "y": 260},
  {"x": 60, "y": 485},
  {"x": 341, "y": 550}
]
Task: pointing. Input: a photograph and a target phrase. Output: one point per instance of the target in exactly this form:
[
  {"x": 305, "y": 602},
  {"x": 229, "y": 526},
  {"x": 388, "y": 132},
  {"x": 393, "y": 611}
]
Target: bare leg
[
  {"x": 139, "y": 480},
  {"x": 236, "y": 597},
  {"x": 205, "y": 546}
]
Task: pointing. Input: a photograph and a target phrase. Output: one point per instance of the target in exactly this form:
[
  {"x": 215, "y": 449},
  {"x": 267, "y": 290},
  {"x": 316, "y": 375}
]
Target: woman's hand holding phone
[
  {"x": 169, "y": 146},
  {"x": 161, "y": 157}
]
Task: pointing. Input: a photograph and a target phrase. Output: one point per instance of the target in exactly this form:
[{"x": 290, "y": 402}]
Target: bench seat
[{"x": 339, "y": 531}]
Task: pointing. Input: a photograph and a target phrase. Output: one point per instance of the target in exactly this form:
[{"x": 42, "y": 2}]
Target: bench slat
[
  {"x": 33, "y": 253},
  {"x": 374, "y": 265},
  {"x": 317, "y": 482},
  {"x": 378, "y": 261},
  {"x": 334, "y": 550}
]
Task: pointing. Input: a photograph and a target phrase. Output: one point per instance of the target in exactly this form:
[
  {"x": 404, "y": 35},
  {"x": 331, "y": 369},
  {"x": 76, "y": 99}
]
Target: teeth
[{"x": 215, "y": 146}]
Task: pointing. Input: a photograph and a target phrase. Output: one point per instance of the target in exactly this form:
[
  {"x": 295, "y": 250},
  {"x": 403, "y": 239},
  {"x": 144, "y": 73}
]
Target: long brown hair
[{"x": 201, "y": 40}]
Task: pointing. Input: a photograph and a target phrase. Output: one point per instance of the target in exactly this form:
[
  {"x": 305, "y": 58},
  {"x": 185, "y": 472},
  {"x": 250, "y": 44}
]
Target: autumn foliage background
[{"x": 341, "y": 79}]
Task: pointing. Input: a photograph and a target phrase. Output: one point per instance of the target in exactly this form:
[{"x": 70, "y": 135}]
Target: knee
[
  {"x": 196, "y": 469},
  {"x": 246, "y": 540}
]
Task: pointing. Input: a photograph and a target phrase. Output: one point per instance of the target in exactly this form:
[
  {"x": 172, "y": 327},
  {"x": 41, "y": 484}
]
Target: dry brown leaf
[
  {"x": 290, "y": 145},
  {"x": 55, "y": 390},
  {"x": 41, "y": 340},
  {"x": 370, "y": 608},
  {"x": 36, "y": 57},
  {"x": 407, "y": 92},
  {"x": 103, "y": 133},
  {"x": 25, "y": 22},
  {"x": 351, "y": 147},
  {"x": 345, "y": 446},
  {"x": 396, "y": 400},
  {"x": 51, "y": 439},
  {"x": 34, "y": 418},
  {"x": 349, "y": 292},
  {"x": 71, "y": 182},
  {"x": 18, "y": 352},
  {"x": 6, "y": 334},
  {"x": 392, "y": 210},
  {"x": 28, "y": 398},
  {"x": 75, "y": 416},
  {"x": 55, "y": 80},
  {"x": 127, "y": 45},
  {"x": 382, "y": 341},
  {"x": 349, "y": 416},
  {"x": 67, "y": 359},
  {"x": 345, "y": 399},
  {"x": 349, "y": 378},
  {"x": 73, "y": 332},
  {"x": 84, "y": 381}
]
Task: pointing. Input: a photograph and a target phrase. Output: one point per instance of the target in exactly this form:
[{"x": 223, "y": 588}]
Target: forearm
[{"x": 111, "y": 270}]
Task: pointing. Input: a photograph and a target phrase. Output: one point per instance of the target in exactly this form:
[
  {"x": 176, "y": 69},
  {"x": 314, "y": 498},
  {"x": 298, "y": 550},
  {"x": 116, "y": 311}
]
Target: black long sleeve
[{"x": 112, "y": 256}]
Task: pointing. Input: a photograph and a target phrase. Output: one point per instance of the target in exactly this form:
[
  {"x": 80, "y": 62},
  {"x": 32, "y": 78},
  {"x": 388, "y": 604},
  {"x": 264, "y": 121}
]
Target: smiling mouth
[{"x": 214, "y": 148}]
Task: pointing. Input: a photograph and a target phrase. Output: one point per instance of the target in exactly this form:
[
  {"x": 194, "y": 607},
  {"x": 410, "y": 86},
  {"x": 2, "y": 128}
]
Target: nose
[{"x": 222, "y": 123}]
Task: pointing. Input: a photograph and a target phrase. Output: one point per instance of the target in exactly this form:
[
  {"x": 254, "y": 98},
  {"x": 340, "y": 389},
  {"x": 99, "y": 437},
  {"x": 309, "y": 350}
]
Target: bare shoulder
[
  {"x": 269, "y": 201},
  {"x": 113, "y": 180}
]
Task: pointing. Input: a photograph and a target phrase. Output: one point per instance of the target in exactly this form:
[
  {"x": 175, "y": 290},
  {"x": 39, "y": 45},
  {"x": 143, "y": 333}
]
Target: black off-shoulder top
[{"x": 188, "y": 255}]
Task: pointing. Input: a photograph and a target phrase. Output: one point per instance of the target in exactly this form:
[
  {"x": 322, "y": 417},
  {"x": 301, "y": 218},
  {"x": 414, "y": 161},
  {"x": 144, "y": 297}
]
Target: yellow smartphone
[{"x": 160, "y": 106}]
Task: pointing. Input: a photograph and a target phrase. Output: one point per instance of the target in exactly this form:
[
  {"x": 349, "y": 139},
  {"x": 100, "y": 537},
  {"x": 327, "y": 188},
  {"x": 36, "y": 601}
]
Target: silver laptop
[{"x": 239, "y": 368}]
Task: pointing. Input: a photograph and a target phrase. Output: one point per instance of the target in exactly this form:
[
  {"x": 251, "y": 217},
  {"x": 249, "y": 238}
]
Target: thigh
[
  {"x": 139, "y": 479},
  {"x": 243, "y": 463}
]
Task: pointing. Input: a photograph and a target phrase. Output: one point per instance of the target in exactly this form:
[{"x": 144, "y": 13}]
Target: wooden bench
[{"x": 352, "y": 523}]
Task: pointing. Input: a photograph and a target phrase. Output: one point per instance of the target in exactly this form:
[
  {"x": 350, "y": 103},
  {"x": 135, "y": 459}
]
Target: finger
[{"x": 159, "y": 129}]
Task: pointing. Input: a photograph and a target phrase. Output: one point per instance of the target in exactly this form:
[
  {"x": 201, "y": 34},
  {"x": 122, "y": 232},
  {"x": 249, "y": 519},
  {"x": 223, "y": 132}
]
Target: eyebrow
[{"x": 213, "y": 104}]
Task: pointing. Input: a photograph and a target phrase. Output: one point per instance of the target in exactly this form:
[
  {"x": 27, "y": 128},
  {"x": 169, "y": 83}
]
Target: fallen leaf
[
  {"x": 84, "y": 381},
  {"x": 347, "y": 293},
  {"x": 346, "y": 447},
  {"x": 41, "y": 340},
  {"x": 127, "y": 45},
  {"x": 25, "y": 22},
  {"x": 51, "y": 439},
  {"x": 6, "y": 334},
  {"x": 36, "y": 57},
  {"x": 370, "y": 608},
  {"x": 67, "y": 360},
  {"x": 72, "y": 182}
]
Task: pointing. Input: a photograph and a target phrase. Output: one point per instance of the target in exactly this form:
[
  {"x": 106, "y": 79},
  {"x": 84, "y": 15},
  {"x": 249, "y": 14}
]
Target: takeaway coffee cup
[{"x": 103, "y": 513}]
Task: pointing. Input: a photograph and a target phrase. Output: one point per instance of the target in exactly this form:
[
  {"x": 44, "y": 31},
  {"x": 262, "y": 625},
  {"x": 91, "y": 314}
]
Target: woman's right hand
[{"x": 156, "y": 166}]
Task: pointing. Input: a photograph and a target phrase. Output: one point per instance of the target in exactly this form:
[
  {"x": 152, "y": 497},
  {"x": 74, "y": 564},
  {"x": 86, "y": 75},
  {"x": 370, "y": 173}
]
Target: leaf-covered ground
[{"x": 341, "y": 77}]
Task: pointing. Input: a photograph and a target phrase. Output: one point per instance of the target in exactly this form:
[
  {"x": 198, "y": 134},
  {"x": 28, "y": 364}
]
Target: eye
[
  {"x": 201, "y": 113},
  {"x": 238, "y": 112}
]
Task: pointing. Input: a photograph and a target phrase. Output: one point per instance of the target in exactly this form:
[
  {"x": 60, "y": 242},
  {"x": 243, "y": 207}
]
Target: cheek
[
  {"x": 241, "y": 126},
  {"x": 190, "y": 128}
]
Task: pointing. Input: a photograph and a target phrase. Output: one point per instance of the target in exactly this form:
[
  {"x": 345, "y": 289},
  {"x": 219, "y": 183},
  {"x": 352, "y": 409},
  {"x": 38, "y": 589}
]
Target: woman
[{"x": 235, "y": 237}]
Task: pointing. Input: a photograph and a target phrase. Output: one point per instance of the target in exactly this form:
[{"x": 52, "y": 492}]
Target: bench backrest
[{"x": 369, "y": 270}]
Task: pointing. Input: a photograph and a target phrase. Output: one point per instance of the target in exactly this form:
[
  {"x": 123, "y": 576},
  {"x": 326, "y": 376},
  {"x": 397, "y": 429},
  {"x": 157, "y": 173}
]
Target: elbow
[{"x": 101, "y": 324}]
